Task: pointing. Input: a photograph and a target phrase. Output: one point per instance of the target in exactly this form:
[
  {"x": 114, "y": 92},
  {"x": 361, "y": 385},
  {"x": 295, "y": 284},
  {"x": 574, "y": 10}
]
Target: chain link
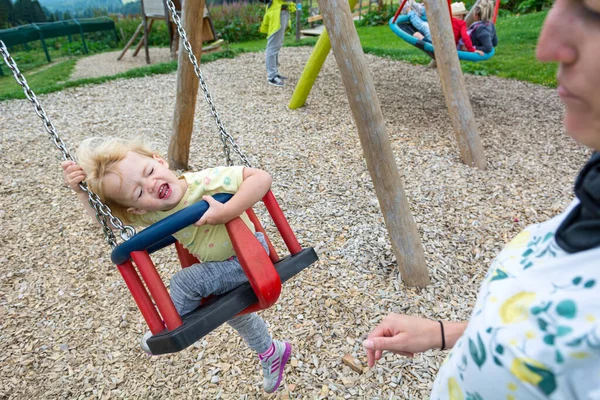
[
  {"x": 103, "y": 212},
  {"x": 226, "y": 138}
]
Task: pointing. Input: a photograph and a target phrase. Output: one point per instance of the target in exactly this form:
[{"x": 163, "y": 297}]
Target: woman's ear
[
  {"x": 137, "y": 211},
  {"x": 160, "y": 160}
]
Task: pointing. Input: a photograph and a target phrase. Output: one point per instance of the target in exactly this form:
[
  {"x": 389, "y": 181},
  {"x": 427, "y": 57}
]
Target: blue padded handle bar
[{"x": 163, "y": 229}]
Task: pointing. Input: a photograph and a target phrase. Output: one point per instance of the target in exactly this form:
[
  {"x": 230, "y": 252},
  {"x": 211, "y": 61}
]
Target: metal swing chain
[
  {"x": 226, "y": 138},
  {"x": 103, "y": 212}
]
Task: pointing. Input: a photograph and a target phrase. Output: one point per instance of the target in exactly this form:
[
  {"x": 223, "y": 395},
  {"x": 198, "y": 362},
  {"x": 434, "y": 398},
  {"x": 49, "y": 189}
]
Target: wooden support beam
[
  {"x": 453, "y": 84},
  {"x": 145, "y": 38},
  {"x": 377, "y": 150},
  {"x": 143, "y": 42},
  {"x": 187, "y": 86},
  {"x": 128, "y": 45}
]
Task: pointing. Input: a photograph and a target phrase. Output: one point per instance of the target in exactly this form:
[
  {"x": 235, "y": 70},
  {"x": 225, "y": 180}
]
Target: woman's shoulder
[{"x": 487, "y": 25}]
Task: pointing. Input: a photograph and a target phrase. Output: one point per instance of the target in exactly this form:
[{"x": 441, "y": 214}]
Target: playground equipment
[
  {"x": 172, "y": 332},
  {"x": 457, "y": 101},
  {"x": 157, "y": 10},
  {"x": 401, "y": 26},
  {"x": 359, "y": 9},
  {"x": 46, "y": 30},
  {"x": 341, "y": 35}
]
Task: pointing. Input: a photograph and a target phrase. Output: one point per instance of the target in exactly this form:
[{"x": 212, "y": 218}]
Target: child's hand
[
  {"x": 481, "y": 53},
  {"x": 73, "y": 174},
  {"x": 215, "y": 215}
]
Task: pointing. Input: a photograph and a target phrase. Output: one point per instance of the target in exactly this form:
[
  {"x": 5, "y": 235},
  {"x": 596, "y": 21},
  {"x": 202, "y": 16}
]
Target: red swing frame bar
[{"x": 252, "y": 257}]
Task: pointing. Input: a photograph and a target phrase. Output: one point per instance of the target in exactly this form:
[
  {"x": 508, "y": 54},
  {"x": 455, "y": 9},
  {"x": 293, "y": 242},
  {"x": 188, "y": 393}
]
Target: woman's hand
[
  {"x": 402, "y": 334},
  {"x": 73, "y": 174},
  {"x": 406, "y": 335}
]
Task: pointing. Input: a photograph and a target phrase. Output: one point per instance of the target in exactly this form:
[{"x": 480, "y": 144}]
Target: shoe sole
[
  {"x": 284, "y": 359},
  {"x": 274, "y": 84}
]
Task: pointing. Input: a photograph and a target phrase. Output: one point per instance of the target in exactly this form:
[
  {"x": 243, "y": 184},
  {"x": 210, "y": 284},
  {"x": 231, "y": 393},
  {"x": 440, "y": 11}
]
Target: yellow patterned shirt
[
  {"x": 207, "y": 242},
  {"x": 535, "y": 329}
]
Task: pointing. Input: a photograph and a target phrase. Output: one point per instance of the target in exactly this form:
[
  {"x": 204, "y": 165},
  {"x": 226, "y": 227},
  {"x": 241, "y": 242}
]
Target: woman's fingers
[{"x": 375, "y": 346}]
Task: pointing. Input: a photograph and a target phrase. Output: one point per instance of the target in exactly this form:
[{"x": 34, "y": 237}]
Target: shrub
[
  {"x": 379, "y": 15},
  {"x": 238, "y": 22},
  {"x": 528, "y": 6}
]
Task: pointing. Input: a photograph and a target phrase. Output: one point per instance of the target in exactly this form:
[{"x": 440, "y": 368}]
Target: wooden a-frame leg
[
  {"x": 144, "y": 42},
  {"x": 128, "y": 45}
]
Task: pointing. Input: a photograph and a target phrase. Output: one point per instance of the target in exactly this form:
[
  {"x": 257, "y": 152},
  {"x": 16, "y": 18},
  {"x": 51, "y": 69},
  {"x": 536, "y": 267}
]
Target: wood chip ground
[{"x": 69, "y": 328}]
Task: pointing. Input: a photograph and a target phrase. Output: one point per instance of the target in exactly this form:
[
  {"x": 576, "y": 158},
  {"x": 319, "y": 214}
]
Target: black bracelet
[{"x": 443, "y": 336}]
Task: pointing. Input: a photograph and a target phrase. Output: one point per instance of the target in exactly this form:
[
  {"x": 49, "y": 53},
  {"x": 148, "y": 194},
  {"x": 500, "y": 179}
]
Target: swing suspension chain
[
  {"x": 226, "y": 138},
  {"x": 103, "y": 212}
]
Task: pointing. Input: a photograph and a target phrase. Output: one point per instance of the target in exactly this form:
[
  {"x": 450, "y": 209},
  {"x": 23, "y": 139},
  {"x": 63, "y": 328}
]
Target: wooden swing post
[
  {"x": 377, "y": 150},
  {"x": 453, "y": 84},
  {"x": 187, "y": 87}
]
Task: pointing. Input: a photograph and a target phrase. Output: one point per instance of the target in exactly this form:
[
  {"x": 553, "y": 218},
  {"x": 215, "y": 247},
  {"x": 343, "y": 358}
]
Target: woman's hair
[
  {"x": 98, "y": 158},
  {"x": 484, "y": 9}
]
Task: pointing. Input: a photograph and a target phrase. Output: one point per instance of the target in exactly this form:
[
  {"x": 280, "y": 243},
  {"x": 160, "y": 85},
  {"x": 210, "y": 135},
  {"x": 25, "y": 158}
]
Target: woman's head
[
  {"x": 571, "y": 37},
  {"x": 99, "y": 157},
  {"x": 484, "y": 10}
]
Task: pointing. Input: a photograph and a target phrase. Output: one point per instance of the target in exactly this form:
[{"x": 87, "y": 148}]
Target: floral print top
[
  {"x": 535, "y": 329},
  {"x": 207, "y": 242}
]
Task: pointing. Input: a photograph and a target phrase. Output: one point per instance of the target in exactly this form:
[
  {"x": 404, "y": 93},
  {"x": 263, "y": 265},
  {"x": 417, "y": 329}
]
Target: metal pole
[
  {"x": 39, "y": 30},
  {"x": 85, "y": 49},
  {"x": 298, "y": 12}
]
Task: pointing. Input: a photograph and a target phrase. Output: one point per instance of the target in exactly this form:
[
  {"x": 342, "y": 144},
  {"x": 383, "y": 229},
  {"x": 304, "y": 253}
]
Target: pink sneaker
[{"x": 274, "y": 365}]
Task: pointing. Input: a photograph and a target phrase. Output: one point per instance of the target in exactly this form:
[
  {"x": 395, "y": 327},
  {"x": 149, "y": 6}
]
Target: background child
[
  {"x": 274, "y": 24},
  {"x": 459, "y": 27},
  {"x": 140, "y": 189},
  {"x": 482, "y": 31},
  {"x": 418, "y": 19}
]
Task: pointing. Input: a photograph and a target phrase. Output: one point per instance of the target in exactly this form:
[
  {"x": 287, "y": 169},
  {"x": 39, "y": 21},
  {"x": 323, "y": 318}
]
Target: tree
[
  {"x": 38, "y": 14},
  {"x": 6, "y": 11},
  {"x": 28, "y": 11}
]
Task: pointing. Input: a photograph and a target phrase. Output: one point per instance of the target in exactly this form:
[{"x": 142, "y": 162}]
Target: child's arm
[
  {"x": 74, "y": 175},
  {"x": 256, "y": 183}
]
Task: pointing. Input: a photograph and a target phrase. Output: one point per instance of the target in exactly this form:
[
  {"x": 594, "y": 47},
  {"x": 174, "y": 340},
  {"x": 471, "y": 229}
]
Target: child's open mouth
[{"x": 164, "y": 191}]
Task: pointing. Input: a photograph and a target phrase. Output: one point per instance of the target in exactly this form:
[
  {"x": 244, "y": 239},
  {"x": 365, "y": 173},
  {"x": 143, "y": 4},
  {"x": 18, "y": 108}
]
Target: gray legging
[
  {"x": 274, "y": 43},
  {"x": 190, "y": 285}
]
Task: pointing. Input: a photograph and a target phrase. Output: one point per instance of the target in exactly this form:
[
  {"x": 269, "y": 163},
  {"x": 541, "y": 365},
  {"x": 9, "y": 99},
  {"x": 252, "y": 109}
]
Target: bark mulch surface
[{"x": 70, "y": 329}]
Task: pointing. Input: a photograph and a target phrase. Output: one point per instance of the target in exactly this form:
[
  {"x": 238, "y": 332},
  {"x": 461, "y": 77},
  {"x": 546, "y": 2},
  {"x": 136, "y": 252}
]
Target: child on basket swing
[{"x": 140, "y": 189}]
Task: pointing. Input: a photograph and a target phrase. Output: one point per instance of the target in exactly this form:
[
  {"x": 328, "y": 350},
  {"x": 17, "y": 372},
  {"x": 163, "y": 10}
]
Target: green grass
[
  {"x": 51, "y": 79},
  {"x": 515, "y": 55},
  {"x": 515, "y": 58},
  {"x": 42, "y": 79}
]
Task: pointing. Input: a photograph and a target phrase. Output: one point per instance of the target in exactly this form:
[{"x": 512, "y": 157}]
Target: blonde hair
[
  {"x": 99, "y": 156},
  {"x": 484, "y": 9}
]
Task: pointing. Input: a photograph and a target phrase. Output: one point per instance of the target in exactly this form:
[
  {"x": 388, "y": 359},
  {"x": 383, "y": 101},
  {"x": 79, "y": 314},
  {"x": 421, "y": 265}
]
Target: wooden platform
[{"x": 316, "y": 31}]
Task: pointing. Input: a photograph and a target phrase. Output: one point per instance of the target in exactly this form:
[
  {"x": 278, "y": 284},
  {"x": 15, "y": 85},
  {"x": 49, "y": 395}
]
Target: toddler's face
[{"x": 144, "y": 184}]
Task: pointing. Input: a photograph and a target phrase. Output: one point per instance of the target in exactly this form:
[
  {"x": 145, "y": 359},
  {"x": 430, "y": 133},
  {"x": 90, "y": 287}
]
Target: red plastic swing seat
[{"x": 172, "y": 332}]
